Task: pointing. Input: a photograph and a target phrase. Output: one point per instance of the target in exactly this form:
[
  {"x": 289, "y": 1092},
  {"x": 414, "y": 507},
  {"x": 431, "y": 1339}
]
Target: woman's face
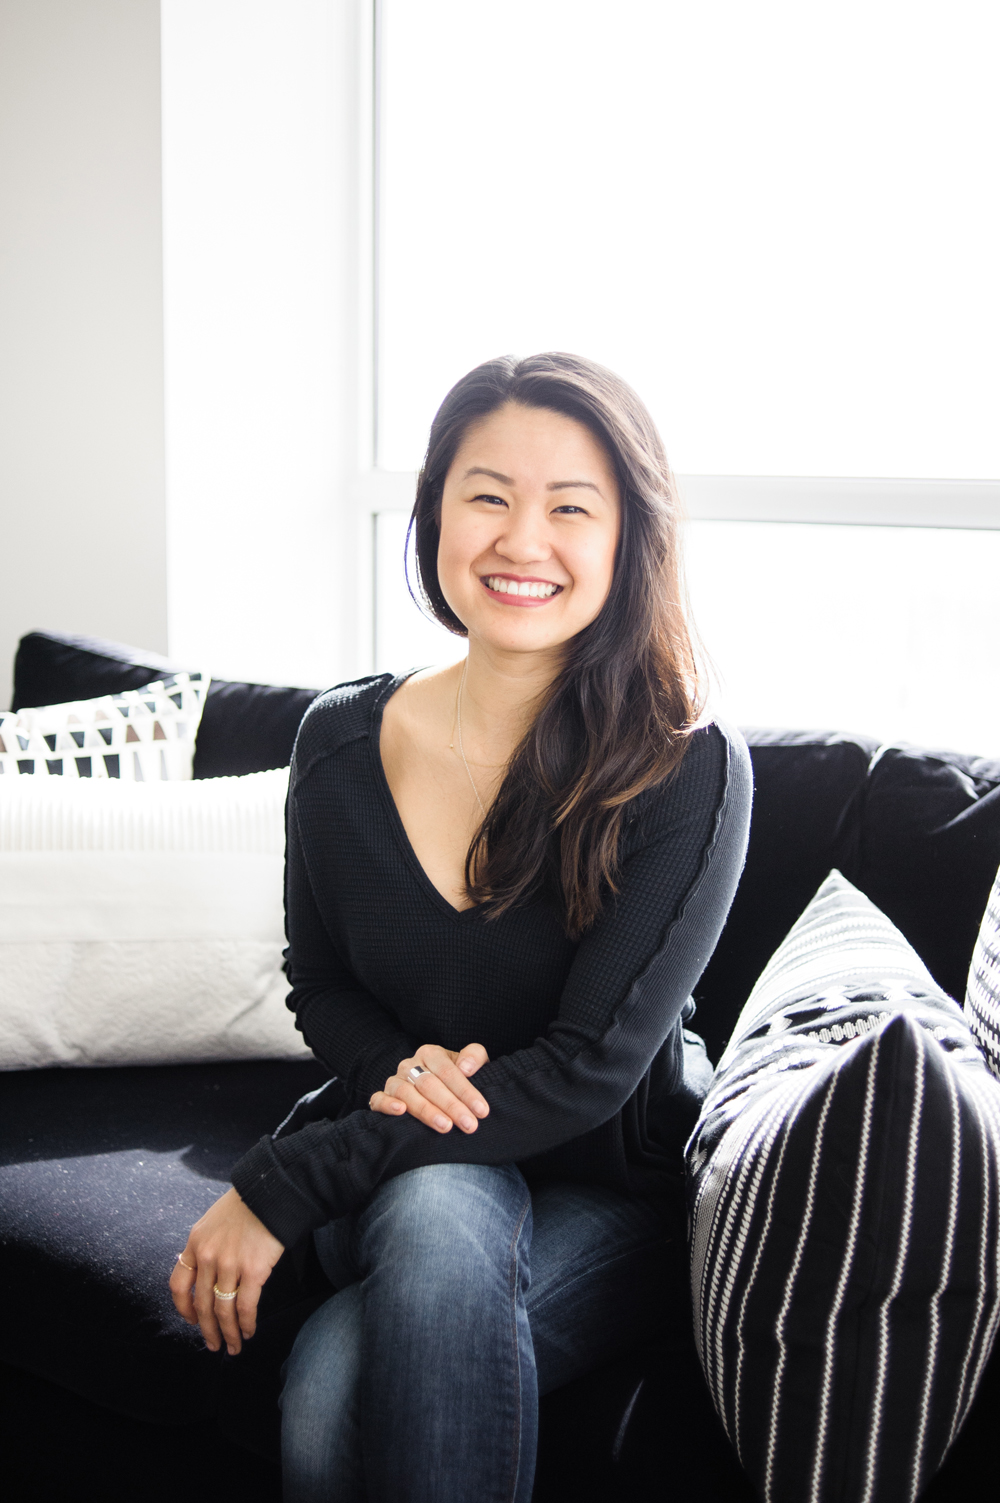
[{"x": 529, "y": 526}]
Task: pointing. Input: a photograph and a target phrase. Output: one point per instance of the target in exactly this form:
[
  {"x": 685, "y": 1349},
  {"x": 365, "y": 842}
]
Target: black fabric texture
[
  {"x": 244, "y": 727},
  {"x": 51, "y": 668},
  {"x": 929, "y": 851},
  {"x": 61, "y": 1448},
  {"x": 248, "y": 728},
  {"x": 102, "y": 1173},
  {"x": 808, "y": 797},
  {"x": 915, "y": 829},
  {"x": 585, "y": 1079}
]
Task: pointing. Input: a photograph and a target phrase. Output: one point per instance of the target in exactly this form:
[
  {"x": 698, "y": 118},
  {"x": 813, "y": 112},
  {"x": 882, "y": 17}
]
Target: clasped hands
[
  {"x": 231, "y": 1248},
  {"x": 443, "y": 1097}
]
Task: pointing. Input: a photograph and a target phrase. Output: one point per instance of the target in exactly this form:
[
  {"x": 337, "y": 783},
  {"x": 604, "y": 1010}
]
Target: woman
[{"x": 503, "y": 880}]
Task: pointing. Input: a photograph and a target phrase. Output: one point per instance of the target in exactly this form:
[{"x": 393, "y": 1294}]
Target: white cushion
[
  {"x": 143, "y": 735},
  {"x": 142, "y": 923}
]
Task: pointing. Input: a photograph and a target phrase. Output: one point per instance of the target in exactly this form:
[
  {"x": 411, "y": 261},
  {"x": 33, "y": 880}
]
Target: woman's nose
[{"x": 523, "y": 539}]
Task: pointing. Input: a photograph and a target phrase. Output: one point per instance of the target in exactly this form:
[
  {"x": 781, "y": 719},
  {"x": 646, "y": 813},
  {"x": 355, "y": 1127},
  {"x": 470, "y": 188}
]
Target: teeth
[{"x": 530, "y": 588}]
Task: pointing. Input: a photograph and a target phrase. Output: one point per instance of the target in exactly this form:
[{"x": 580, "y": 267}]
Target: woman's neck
[{"x": 499, "y": 697}]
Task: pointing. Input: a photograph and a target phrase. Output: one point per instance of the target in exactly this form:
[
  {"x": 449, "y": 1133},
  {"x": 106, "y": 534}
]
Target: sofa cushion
[
  {"x": 244, "y": 727},
  {"x": 809, "y": 789},
  {"x": 102, "y": 1173},
  {"x": 845, "y": 1188},
  {"x": 143, "y": 923},
  {"x": 929, "y": 849},
  {"x": 50, "y": 667},
  {"x": 982, "y": 997}
]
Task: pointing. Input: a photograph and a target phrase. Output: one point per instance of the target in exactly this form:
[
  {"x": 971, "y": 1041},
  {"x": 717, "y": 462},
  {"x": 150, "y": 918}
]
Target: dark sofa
[{"x": 107, "y": 1394}]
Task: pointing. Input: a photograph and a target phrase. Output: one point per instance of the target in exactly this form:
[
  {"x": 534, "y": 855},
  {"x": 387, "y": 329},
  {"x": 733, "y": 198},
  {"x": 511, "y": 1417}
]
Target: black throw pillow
[
  {"x": 52, "y": 669},
  {"x": 248, "y": 728}
]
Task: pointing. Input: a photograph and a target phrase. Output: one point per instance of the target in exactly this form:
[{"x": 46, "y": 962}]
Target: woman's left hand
[{"x": 229, "y": 1247}]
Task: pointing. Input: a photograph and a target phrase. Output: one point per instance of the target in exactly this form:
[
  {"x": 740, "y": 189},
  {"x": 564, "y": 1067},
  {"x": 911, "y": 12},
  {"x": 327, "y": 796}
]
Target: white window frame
[{"x": 843, "y": 500}]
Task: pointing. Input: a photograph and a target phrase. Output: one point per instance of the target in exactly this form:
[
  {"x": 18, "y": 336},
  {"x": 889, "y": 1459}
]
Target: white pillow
[
  {"x": 144, "y": 735},
  {"x": 142, "y": 923}
]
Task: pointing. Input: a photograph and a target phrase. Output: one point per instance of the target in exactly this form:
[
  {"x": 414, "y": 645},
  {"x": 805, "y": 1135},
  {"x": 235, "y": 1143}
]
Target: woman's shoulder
[
  {"x": 337, "y": 717},
  {"x": 714, "y": 771}
]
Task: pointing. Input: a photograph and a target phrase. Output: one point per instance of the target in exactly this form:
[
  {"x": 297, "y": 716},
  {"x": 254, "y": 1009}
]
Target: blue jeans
[{"x": 463, "y": 1296}]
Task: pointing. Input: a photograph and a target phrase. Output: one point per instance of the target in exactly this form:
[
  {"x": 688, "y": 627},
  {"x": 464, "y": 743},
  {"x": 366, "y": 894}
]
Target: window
[{"x": 777, "y": 222}]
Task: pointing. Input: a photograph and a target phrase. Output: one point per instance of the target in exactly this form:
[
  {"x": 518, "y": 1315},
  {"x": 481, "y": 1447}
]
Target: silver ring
[{"x": 414, "y": 1074}]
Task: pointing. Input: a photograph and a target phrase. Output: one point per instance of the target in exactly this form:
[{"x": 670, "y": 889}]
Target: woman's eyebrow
[
  {"x": 493, "y": 474},
  {"x": 553, "y": 485},
  {"x": 568, "y": 485}
]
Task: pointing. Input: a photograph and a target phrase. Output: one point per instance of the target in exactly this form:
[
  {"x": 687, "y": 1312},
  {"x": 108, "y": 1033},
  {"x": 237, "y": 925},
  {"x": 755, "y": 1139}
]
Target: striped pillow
[
  {"x": 845, "y": 1208},
  {"x": 982, "y": 998}
]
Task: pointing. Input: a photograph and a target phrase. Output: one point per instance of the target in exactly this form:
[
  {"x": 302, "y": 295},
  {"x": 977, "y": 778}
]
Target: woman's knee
[{"x": 444, "y": 1223}]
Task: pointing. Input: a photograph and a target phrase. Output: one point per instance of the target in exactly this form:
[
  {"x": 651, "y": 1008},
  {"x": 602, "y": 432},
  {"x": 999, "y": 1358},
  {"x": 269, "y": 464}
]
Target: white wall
[
  {"x": 261, "y": 167},
  {"x": 82, "y": 528}
]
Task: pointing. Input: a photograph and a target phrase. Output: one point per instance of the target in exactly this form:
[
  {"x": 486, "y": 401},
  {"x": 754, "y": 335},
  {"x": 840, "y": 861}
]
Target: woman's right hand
[{"x": 444, "y": 1096}]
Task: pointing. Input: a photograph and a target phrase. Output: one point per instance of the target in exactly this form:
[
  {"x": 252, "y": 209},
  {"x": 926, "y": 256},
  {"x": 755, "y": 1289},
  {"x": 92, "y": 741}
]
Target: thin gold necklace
[{"x": 461, "y": 748}]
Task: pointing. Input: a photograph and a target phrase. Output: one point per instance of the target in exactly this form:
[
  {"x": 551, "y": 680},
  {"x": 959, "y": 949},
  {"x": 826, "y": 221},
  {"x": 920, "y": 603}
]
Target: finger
[
  {"x": 182, "y": 1285},
  {"x": 381, "y": 1102},
  {"x": 473, "y": 1099},
  {"x": 472, "y": 1058},
  {"x": 455, "y": 1096},
  {"x": 246, "y": 1306},
  {"x": 445, "y": 1065},
  {"x": 418, "y": 1105},
  {"x": 225, "y": 1310},
  {"x": 204, "y": 1304}
]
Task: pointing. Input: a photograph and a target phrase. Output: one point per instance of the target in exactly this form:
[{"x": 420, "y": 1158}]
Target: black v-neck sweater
[{"x": 585, "y": 1079}]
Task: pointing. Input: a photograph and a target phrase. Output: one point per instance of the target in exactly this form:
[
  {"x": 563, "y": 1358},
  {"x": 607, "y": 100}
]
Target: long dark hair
[{"x": 614, "y": 721}]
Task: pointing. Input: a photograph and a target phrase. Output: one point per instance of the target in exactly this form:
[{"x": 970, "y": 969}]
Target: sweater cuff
[
  {"x": 373, "y": 1068},
  {"x": 263, "y": 1185}
]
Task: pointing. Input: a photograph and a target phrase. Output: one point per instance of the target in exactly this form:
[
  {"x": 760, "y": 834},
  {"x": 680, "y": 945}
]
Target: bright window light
[
  {"x": 778, "y": 221},
  {"x": 893, "y": 629}
]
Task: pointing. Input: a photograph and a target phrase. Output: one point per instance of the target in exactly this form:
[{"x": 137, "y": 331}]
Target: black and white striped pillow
[
  {"x": 845, "y": 1211},
  {"x": 982, "y": 998}
]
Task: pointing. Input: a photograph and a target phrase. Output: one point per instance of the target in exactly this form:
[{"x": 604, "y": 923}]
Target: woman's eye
[
  {"x": 567, "y": 508},
  {"x": 496, "y": 500}
]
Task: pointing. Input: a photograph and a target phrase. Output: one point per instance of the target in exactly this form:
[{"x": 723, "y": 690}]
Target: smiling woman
[
  {"x": 581, "y": 701},
  {"x": 534, "y": 851}
]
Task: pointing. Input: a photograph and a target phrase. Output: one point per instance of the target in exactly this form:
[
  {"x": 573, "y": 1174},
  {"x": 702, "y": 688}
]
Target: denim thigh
[{"x": 607, "y": 1272}]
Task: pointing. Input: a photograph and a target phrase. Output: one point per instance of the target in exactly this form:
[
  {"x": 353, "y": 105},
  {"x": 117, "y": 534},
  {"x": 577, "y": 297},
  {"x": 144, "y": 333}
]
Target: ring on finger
[
  {"x": 414, "y": 1074},
  {"x": 225, "y": 1294}
]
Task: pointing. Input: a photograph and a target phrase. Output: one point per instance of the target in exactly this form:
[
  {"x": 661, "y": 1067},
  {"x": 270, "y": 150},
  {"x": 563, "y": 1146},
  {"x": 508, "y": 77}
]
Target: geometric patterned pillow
[
  {"x": 844, "y": 1181},
  {"x": 144, "y": 735},
  {"x": 982, "y": 998}
]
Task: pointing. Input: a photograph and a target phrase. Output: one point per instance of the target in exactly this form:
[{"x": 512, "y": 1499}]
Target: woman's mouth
[{"x": 514, "y": 591}]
